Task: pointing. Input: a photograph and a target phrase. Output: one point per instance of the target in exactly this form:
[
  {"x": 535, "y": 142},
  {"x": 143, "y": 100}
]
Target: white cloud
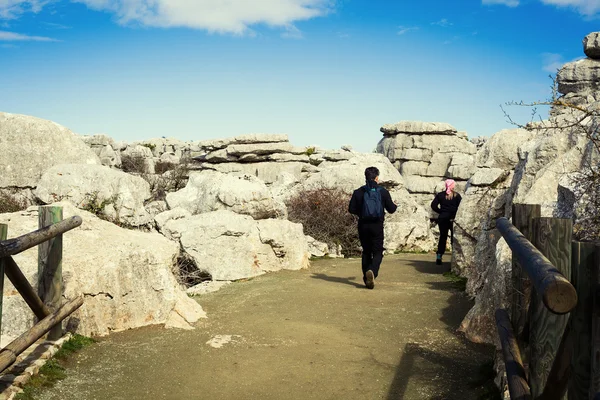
[
  {"x": 444, "y": 23},
  {"x": 584, "y": 7},
  {"x": 232, "y": 16},
  {"x": 509, "y": 3},
  {"x": 404, "y": 29},
  {"x": 10, "y": 9},
  {"x": 6, "y": 36}
]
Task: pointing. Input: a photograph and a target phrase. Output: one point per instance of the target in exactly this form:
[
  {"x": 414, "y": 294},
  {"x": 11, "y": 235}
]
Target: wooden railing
[
  {"x": 550, "y": 337},
  {"x": 48, "y": 311}
]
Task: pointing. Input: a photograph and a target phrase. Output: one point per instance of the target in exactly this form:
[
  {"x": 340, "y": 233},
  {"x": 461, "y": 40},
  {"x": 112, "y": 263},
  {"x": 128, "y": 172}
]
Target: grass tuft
[{"x": 458, "y": 282}]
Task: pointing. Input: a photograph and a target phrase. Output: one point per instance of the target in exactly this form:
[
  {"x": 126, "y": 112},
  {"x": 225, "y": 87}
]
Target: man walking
[{"x": 368, "y": 203}]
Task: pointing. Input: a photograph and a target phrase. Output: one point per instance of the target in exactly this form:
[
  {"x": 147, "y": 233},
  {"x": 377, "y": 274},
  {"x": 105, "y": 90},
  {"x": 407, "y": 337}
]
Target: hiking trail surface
[{"x": 309, "y": 334}]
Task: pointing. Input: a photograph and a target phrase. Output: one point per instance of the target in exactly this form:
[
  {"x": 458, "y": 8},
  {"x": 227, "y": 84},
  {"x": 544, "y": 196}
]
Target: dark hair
[{"x": 371, "y": 173}]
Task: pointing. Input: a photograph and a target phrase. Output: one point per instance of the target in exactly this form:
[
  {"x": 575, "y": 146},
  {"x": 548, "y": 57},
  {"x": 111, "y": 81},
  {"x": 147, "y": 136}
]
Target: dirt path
[{"x": 312, "y": 334}]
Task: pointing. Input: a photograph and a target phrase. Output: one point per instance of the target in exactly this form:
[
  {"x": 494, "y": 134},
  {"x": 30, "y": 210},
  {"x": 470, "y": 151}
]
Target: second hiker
[
  {"x": 368, "y": 203},
  {"x": 446, "y": 205}
]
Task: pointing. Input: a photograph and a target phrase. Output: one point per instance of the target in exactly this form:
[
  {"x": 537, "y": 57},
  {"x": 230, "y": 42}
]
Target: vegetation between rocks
[
  {"x": 133, "y": 163},
  {"x": 457, "y": 281},
  {"x": 53, "y": 371},
  {"x": 324, "y": 214},
  {"x": 10, "y": 203}
]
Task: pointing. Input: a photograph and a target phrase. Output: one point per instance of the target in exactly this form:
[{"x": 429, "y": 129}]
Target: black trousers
[
  {"x": 446, "y": 226},
  {"x": 371, "y": 240}
]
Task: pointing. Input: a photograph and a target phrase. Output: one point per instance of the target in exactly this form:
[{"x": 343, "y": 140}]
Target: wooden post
[
  {"x": 522, "y": 219},
  {"x": 582, "y": 264},
  {"x": 595, "y": 374},
  {"x": 3, "y": 236},
  {"x": 515, "y": 372},
  {"x": 9, "y": 354},
  {"x": 552, "y": 237},
  {"x": 50, "y": 283}
]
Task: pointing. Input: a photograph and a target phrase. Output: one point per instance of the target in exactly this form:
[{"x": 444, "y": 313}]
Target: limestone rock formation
[
  {"x": 591, "y": 45},
  {"x": 545, "y": 156},
  {"x": 426, "y": 153},
  {"x": 29, "y": 146},
  {"x": 115, "y": 194},
  {"x": 211, "y": 191},
  {"x": 230, "y": 246},
  {"x": 124, "y": 275}
]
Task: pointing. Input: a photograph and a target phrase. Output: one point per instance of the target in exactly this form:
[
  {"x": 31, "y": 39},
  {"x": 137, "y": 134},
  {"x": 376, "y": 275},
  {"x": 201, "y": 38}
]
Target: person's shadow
[{"x": 335, "y": 279}]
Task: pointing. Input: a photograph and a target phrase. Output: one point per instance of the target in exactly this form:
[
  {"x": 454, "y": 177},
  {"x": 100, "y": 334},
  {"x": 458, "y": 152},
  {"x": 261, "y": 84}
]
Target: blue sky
[{"x": 326, "y": 72}]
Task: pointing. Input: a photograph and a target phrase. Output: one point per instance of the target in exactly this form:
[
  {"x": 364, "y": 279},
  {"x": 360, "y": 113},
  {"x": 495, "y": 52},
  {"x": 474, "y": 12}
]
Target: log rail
[
  {"x": 543, "y": 346},
  {"x": 48, "y": 313}
]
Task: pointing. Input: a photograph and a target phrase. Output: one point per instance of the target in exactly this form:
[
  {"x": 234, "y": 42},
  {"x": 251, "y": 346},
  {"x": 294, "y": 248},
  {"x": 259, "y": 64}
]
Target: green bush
[{"x": 324, "y": 214}]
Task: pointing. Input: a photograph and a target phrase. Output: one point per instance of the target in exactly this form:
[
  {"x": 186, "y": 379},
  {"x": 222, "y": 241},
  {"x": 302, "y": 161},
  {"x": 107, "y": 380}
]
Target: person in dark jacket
[
  {"x": 446, "y": 205},
  {"x": 368, "y": 203}
]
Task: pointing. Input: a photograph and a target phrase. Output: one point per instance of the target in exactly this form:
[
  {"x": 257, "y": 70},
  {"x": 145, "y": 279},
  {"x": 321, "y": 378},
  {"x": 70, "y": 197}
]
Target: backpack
[{"x": 372, "y": 209}]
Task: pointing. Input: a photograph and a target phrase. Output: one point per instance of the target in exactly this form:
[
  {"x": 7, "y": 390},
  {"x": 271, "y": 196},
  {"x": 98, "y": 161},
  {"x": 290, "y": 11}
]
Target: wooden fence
[
  {"x": 48, "y": 311},
  {"x": 550, "y": 337}
]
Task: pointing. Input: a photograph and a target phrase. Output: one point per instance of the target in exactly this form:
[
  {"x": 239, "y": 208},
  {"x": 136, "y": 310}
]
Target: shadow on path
[
  {"x": 421, "y": 362},
  {"x": 335, "y": 279}
]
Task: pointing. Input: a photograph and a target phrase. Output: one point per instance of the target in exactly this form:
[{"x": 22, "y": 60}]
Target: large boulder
[
  {"x": 582, "y": 76},
  {"x": 29, "y": 146},
  {"x": 501, "y": 150},
  {"x": 208, "y": 191},
  {"x": 349, "y": 175},
  {"x": 479, "y": 325},
  {"x": 230, "y": 246},
  {"x": 111, "y": 193},
  {"x": 591, "y": 45},
  {"x": 125, "y": 276}
]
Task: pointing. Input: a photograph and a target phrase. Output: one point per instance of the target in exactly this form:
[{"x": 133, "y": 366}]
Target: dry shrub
[
  {"x": 163, "y": 166},
  {"x": 11, "y": 203},
  {"x": 324, "y": 214},
  {"x": 187, "y": 273},
  {"x": 171, "y": 180},
  {"x": 133, "y": 163}
]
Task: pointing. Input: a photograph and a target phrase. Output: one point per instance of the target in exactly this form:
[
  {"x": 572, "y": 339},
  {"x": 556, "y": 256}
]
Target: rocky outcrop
[
  {"x": 579, "y": 81},
  {"x": 208, "y": 191},
  {"x": 116, "y": 195},
  {"x": 426, "y": 153},
  {"x": 230, "y": 246},
  {"x": 591, "y": 45},
  {"x": 104, "y": 147},
  {"x": 126, "y": 278},
  {"x": 542, "y": 158},
  {"x": 29, "y": 146}
]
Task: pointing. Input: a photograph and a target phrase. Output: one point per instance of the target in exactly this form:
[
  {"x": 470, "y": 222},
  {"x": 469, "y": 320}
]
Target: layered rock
[
  {"x": 208, "y": 191},
  {"x": 579, "y": 81},
  {"x": 126, "y": 278},
  {"x": 426, "y": 153},
  {"x": 543, "y": 159},
  {"x": 230, "y": 246},
  {"x": 29, "y": 146},
  {"x": 116, "y": 195},
  {"x": 104, "y": 146}
]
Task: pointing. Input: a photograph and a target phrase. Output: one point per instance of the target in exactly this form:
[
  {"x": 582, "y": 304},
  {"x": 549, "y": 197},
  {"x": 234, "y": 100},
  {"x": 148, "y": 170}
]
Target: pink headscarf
[{"x": 450, "y": 185}]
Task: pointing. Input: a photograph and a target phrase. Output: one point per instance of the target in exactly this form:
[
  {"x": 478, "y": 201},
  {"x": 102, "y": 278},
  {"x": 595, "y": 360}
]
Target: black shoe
[{"x": 370, "y": 279}]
